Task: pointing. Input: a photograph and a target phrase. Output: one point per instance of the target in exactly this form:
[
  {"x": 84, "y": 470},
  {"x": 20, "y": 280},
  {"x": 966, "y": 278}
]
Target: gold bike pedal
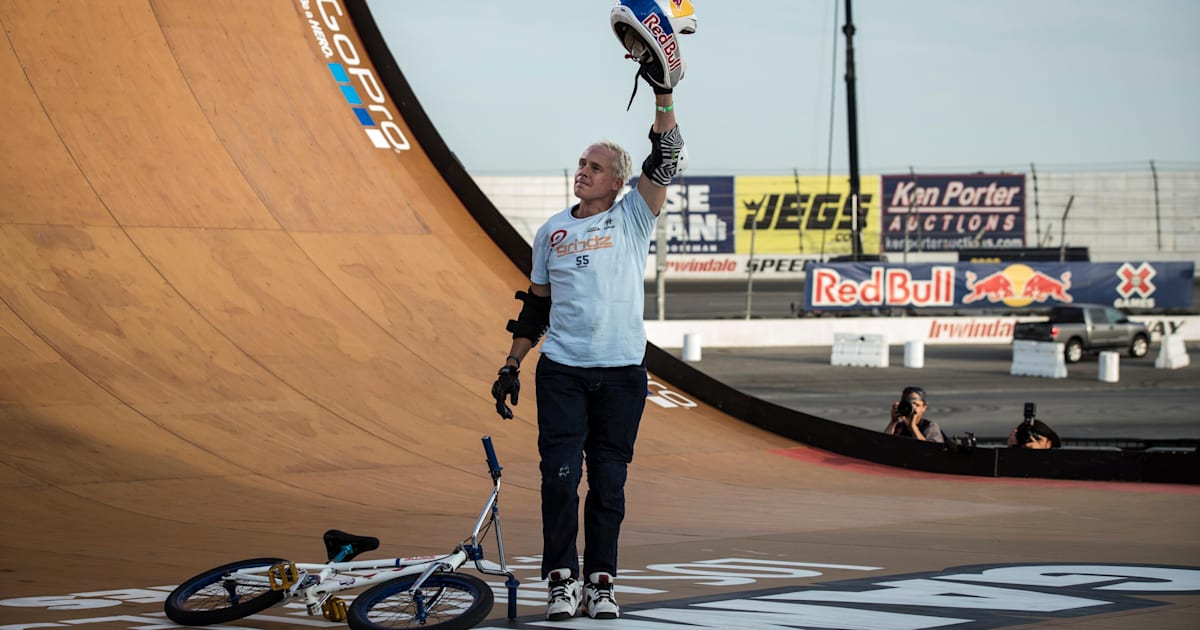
[
  {"x": 283, "y": 575},
  {"x": 334, "y": 609}
]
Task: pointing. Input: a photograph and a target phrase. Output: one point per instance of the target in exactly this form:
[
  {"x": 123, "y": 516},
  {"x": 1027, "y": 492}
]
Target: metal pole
[
  {"x": 750, "y": 266},
  {"x": 1157, "y": 218},
  {"x": 660, "y": 267},
  {"x": 1037, "y": 220},
  {"x": 912, "y": 208},
  {"x": 1062, "y": 231},
  {"x": 799, "y": 212},
  {"x": 852, "y": 124}
]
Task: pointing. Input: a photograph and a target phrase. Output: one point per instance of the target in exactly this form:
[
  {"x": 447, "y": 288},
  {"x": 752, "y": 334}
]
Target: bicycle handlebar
[{"x": 493, "y": 463}]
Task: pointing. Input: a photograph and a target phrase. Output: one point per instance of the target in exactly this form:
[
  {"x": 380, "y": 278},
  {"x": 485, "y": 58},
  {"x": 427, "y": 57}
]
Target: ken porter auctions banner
[
  {"x": 938, "y": 213},
  {"x": 806, "y": 215}
]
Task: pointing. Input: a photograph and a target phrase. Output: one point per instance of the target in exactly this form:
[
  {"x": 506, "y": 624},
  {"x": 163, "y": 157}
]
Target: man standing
[
  {"x": 586, "y": 295},
  {"x": 588, "y": 267}
]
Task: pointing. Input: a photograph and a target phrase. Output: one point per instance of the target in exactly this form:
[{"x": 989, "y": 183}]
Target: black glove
[
  {"x": 654, "y": 85},
  {"x": 506, "y": 385}
]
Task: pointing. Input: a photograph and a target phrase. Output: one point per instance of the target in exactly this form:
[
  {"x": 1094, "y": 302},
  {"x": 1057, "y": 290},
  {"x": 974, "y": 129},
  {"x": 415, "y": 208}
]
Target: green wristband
[{"x": 665, "y": 109}]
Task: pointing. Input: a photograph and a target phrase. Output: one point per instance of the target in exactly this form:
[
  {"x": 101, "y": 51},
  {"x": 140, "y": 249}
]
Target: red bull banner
[
  {"x": 939, "y": 213},
  {"x": 803, "y": 215},
  {"x": 1137, "y": 284}
]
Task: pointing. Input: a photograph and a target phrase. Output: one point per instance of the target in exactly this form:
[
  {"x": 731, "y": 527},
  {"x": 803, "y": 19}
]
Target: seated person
[
  {"x": 908, "y": 417},
  {"x": 1033, "y": 433}
]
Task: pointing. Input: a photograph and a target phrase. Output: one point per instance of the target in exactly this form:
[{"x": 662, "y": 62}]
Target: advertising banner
[
  {"x": 938, "y": 213},
  {"x": 840, "y": 286},
  {"x": 698, "y": 216},
  {"x": 729, "y": 267},
  {"x": 805, "y": 215}
]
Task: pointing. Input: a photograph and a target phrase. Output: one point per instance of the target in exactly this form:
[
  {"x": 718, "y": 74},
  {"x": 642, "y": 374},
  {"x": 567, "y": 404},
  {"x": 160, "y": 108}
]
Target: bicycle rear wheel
[
  {"x": 451, "y": 601},
  {"x": 210, "y": 597}
]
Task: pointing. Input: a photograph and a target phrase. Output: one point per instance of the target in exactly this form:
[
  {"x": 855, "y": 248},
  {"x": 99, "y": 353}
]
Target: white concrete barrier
[
  {"x": 914, "y": 354},
  {"x": 1173, "y": 353},
  {"x": 691, "y": 347},
  {"x": 1038, "y": 358},
  {"x": 1110, "y": 367},
  {"x": 860, "y": 350}
]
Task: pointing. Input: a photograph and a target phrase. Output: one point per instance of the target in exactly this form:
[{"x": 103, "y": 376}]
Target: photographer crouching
[
  {"x": 1033, "y": 433},
  {"x": 908, "y": 417}
]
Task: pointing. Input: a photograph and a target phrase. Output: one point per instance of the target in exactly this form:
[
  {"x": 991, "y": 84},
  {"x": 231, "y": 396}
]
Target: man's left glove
[{"x": 506, "y": 385}]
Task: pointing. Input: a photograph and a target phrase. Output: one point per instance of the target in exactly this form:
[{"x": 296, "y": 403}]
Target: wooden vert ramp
[{"x": 233, "y": 314}]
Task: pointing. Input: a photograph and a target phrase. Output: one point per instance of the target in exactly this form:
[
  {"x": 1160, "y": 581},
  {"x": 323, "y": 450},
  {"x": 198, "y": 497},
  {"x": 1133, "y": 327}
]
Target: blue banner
[
  {"x": 698, "y": 216},
  {"x": 1137, "y": 284},
  {"x": 940, "y": 213}
]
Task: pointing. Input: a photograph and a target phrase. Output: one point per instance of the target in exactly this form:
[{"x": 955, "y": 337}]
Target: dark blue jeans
[{"x": 592, "y": 412}]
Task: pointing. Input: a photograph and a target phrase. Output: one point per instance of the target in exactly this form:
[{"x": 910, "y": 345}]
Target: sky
[{"x": 942, "y": 85}]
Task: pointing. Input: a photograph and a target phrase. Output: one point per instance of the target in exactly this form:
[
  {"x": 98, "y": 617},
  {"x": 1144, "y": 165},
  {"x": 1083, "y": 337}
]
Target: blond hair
[{"x": 622, "y": 164}]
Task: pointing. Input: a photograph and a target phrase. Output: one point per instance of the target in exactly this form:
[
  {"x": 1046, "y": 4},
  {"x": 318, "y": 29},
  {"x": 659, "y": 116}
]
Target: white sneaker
[
  {"x": 599, "y": 594},
  {"x": 565, "y": 595}
]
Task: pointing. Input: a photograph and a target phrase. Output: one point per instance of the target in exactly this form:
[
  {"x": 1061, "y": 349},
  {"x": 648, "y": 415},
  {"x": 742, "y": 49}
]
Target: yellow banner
[{"x": 813, "y": 217}]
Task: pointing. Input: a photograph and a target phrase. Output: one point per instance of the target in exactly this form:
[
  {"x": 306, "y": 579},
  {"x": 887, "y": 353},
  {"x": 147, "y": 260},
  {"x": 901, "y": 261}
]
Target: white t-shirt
[{"x": 595, "y": 268}]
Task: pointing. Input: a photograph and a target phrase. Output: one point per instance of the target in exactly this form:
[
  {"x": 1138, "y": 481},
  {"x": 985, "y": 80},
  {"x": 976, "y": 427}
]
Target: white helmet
[{"x": 648, "y": 29}]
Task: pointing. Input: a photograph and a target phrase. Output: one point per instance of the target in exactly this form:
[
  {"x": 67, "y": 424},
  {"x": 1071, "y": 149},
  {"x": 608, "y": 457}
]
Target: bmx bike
[{"x": 412, "y": 592}]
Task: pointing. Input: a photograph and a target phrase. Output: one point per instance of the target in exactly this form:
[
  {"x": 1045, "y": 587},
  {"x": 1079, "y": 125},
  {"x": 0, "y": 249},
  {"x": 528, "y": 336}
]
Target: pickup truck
[{"x": 1087, "y": 328}]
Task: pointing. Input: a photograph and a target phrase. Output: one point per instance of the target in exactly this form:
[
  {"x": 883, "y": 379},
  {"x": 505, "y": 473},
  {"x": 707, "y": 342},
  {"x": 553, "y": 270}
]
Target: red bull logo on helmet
[
  {"x": 666, "y": 40},
  {"x": 1016, "y": 286}
]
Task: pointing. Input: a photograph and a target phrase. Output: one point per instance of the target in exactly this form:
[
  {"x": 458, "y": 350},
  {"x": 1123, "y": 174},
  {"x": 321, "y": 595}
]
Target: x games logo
[{"x": 1135, "y": 280}]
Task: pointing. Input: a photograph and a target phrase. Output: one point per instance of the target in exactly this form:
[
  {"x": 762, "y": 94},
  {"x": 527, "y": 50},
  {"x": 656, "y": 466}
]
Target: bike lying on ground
[{"x": 425, "y": 592}]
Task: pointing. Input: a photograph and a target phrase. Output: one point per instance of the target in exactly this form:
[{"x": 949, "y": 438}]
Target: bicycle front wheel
[
  {"x": 449, "y": 601},
  {"x": 216, "y": 597}
]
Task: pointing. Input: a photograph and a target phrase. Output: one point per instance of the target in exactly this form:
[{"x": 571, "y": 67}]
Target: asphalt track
[
  {"x": 970, "y": 387},
  {"x": 231, "y": 320},
  {"x": 970, "y": 390}
]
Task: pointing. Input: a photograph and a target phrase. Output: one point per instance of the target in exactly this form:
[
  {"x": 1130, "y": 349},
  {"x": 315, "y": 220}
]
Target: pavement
[{"x": 970, "y": 390}]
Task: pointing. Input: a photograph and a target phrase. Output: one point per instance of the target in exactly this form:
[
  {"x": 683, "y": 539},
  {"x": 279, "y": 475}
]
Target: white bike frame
[{"x": 316, "y": 583}]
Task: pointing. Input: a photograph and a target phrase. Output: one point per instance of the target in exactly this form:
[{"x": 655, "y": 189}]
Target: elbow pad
[
  {"x": 668, "y": 157},
  {"x": 534, "y": 317}
]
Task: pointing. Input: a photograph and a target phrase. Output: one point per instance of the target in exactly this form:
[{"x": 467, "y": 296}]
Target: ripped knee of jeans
[{"x": 562, "y": 474}]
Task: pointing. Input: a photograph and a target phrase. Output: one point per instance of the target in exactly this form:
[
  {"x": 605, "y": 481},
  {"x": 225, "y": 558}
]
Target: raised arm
[{"x": 667, "y": 154}]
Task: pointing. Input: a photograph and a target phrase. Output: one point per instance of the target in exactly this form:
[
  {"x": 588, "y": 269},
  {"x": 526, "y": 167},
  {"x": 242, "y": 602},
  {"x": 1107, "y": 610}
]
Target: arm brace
[
  {"x": 665, "y": 153},
  {"x": 534, "y": 317}
]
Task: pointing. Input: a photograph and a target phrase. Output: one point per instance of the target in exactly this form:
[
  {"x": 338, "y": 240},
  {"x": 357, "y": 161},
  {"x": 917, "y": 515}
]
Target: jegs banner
[
  {"x": 1135, "y": 284},
  {"x": 806, "y": 215},
  {"x": 698, "y": 216},
  {"x": 937, "y": 213}
]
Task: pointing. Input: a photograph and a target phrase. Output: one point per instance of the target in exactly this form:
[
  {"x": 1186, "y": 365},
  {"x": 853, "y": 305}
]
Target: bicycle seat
[{"x": 336, "y": 540}]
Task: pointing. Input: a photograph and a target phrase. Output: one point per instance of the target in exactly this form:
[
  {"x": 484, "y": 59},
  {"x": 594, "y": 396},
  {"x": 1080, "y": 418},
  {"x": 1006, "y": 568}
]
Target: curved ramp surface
[{"x": 234, "y": 315}]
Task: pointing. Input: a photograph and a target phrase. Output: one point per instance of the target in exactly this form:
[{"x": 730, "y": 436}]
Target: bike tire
[
  {"x": 458, "y": 601},
  {"x": 204, "y": 599}
]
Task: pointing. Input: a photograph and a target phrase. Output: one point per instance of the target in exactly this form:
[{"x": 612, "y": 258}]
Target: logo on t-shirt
[
  {"x": 584, "y": 245},
  {"x": 557, "y": 237}
]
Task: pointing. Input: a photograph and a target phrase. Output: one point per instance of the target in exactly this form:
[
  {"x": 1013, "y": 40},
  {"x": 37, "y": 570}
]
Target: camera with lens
[
  {"x": 905, "y": 408},
  {"x": 1026, "y": 434},
  {"x": 964, "y": 443}
]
